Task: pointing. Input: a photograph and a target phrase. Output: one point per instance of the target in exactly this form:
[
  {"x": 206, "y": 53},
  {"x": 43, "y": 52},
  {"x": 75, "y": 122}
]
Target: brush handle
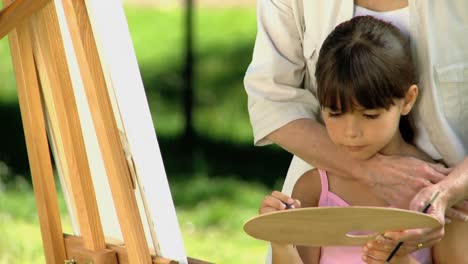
[{"x": 394, "y": 251}]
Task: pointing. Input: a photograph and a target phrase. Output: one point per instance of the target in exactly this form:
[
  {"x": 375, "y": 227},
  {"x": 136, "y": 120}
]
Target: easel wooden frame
[{"x": 47, "y": 80}]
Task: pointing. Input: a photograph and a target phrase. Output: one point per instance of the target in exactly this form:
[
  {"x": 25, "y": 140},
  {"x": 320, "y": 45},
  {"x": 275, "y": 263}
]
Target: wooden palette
[{"x": 334, "y": 226}]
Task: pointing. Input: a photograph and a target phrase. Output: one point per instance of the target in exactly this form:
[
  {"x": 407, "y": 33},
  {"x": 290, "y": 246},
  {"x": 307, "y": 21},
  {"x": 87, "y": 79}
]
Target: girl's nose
[{"x": 352, "y": 128}]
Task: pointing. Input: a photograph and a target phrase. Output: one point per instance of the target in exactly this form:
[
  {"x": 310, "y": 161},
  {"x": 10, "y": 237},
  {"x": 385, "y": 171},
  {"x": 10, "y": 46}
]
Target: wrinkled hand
[
  {"x": 377, "y": 251},
  {"x": 397, "y": 180},
  {"x": 278, "y": 201},
  {"x": 415, "y": 239},
  {"x": 450, "y": 201}
]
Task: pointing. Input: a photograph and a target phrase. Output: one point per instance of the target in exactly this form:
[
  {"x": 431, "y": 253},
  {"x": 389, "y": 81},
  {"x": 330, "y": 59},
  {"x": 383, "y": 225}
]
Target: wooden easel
[{"x": 47, "y": 84}]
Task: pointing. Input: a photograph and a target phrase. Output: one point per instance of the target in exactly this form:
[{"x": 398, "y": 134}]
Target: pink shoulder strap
[{"x": 324, "y": 191}]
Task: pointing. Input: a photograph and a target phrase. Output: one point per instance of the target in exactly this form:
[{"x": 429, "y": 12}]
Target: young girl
[{"x": 366, "y": 89}]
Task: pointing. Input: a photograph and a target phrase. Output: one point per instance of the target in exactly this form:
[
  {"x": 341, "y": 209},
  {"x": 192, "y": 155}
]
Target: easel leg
[{"x": 37, "y": 144}]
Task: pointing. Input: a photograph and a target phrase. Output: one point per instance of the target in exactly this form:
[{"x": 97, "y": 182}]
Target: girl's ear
[{"x": 410, "y": 99}]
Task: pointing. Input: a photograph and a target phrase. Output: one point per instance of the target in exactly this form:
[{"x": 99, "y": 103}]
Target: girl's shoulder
[{"x": 308, "y": 188}]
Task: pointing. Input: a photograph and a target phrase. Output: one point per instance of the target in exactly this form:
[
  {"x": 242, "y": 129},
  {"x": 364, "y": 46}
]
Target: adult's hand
[
  {"x": 450, "y": 203},
  {"x": 453, "y": 191},
  {"x": 397, "y": 179},
  {"x": 415, "y": 239},
  {"x": 443, "y": 208},
  {"x": 377, "y": 252}
]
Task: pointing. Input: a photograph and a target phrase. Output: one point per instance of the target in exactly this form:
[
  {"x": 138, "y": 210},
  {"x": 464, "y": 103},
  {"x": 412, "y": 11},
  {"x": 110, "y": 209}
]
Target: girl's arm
[
  {"x": 307, "y": 190},
  {"x": 281, "y": 253},
  {"x": 306, "y": 193},
  {"x": 285, "y": 254}
]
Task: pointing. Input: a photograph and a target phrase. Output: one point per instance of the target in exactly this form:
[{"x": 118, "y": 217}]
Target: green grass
[
  {"x": 20, "y": 236},
  {"x": 211, "y": 214},
  {"x": 212, "y": 226}
]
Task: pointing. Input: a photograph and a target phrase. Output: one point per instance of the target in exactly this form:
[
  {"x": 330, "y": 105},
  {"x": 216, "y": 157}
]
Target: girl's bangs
[{"x": 355, "y": 85}]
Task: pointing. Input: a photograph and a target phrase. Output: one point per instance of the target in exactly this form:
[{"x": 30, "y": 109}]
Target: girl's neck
[
  {"x": 381, "y": 5},
  {"x": 399, "y": 147}
]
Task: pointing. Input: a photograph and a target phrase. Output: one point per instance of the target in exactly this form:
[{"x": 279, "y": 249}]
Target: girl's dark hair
[{"x": 365, "y": 61}]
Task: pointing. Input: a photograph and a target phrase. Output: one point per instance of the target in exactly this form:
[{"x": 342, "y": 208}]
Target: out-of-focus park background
[{"x": 216, "y": 175}]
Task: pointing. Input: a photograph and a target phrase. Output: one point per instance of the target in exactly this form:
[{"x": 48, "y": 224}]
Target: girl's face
[{"x": 365, "y": 132}]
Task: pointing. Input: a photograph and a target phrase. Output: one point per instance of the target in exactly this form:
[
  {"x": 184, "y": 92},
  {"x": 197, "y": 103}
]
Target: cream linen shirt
[{"x": 280, "y": 80}]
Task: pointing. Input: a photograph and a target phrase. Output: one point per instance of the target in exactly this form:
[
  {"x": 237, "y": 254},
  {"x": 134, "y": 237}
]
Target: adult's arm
[
  {"x": 394, "y": 179},
  {"x": 452, "y": 248},
  {"x": 274, "y": 80}
]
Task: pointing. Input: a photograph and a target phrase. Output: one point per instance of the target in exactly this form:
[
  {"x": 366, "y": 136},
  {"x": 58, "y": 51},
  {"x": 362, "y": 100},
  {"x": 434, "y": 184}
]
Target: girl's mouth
[{"x": 355, "y": 148}]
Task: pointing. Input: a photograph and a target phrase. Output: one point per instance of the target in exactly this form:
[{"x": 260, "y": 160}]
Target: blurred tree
[{"x": 188, "y": 74}]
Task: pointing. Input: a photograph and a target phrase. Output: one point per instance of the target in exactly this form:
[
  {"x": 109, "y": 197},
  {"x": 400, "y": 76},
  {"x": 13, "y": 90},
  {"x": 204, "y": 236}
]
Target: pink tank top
[{"x": 350, "y": 255}]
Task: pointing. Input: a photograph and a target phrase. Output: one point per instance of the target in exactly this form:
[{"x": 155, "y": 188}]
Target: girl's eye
[
  {"x": 334, "y": 114},
  {"x": 371, "y": 116}
]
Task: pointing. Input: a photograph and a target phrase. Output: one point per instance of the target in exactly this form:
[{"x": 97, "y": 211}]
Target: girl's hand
[
  {"x": 277, "y": 201},
  {"x": 376, "y": 252}
]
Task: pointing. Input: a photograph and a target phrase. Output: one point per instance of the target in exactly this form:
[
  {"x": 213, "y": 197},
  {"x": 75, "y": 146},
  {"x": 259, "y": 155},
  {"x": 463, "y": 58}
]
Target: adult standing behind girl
[
  {"x": 366, "y": 88},
  {"x": 284, "y": 109}
]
